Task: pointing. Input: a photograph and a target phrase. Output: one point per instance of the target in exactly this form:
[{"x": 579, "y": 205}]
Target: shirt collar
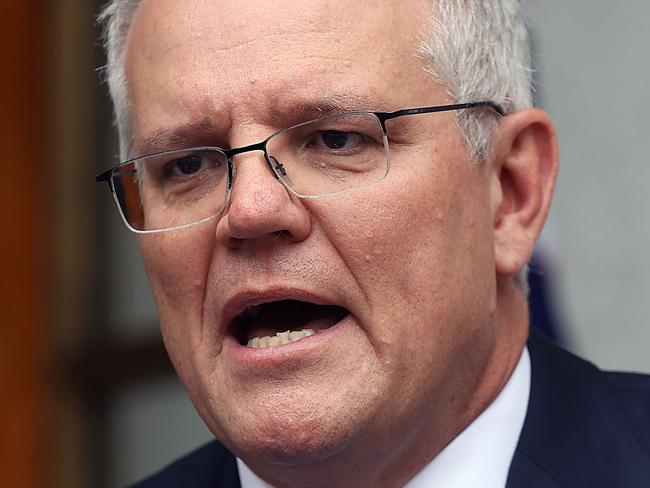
[{"x": 480, "y": 455}]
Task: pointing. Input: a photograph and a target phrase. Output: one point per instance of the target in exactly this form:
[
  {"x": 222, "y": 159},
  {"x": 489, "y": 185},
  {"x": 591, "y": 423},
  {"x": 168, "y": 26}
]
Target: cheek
[
  {"x": 177, "y": 264},
  {"x": 417, "y": 249},
  {"x": 407, "y": 238}
]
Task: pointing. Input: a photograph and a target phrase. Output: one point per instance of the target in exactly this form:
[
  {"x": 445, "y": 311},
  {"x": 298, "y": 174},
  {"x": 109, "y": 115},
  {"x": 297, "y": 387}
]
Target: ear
[{"x": 523, "y": 175}]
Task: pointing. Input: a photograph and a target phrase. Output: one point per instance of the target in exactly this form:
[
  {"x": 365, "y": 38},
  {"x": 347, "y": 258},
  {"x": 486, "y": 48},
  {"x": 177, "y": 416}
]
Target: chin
[{"x": 289, "y": 437}]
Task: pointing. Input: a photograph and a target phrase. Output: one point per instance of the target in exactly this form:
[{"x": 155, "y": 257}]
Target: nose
[{"x": 260, "y": 206}]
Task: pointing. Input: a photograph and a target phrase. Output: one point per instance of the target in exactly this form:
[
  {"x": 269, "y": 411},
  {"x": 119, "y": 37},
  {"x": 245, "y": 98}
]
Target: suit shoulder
[
  {"x": 634, "y": 391},
  {"x": 212, "y": 465},
  {"x": 635, "y": 383}
]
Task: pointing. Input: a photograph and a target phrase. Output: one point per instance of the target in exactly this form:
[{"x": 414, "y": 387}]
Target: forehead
[{"x": 252, "y": 57}]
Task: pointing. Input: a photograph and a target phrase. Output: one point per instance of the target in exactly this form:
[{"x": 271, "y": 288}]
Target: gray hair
[
  {"x": 117, "y": 17},
  {"x": 477, "y": 49}
]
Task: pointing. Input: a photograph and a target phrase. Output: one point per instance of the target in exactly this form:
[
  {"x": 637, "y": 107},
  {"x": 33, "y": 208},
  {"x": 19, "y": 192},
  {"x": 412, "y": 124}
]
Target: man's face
[{"x": 397, "y": 279}]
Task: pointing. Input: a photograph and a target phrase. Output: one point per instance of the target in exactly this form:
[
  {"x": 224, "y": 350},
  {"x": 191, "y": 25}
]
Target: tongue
[{"x": 293, "y": 315}]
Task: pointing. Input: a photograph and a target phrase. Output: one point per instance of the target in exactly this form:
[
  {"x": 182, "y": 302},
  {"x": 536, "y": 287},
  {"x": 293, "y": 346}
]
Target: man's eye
[
  {"x": 185, "y": 169},
  {"x": 185, "y": 166},
  {"x": 338, "y": 140}
]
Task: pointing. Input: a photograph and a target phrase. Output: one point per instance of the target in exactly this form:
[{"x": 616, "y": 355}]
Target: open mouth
[{"x": 281, "y": 322}]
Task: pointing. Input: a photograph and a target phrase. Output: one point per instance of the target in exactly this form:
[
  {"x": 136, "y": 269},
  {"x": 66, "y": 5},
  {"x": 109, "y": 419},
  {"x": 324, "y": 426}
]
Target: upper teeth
[{"x": 280, "y": 338}]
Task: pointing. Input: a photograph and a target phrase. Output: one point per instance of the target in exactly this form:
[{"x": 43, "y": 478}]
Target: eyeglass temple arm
[{"x": 383, "y": 116}]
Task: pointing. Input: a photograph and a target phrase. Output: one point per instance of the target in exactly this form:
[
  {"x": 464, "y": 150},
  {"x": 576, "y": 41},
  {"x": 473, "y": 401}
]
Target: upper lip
[{"x": 236, "y": 304}]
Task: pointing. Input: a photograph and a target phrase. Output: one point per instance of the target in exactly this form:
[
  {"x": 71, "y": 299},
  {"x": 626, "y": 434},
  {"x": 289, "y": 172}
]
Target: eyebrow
[
  {"x": 176, "y": 138},
  {"x": 280, "y": 115},
  {"x": 331, "y": 104}
]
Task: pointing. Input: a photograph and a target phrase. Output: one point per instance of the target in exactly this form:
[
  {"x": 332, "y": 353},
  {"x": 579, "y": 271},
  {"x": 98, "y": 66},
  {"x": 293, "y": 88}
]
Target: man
[{"x": 344, "y": 300}]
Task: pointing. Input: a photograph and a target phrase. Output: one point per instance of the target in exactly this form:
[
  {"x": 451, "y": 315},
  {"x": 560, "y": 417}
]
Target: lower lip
[{"x": 305, "y": 347}]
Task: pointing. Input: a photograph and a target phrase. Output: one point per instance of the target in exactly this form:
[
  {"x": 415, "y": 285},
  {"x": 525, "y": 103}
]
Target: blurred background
[{"x": 87, "y": 394}]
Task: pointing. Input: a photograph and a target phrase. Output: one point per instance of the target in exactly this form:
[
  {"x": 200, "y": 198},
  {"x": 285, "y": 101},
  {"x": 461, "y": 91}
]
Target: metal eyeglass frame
[{"x": 275, "y": 166}]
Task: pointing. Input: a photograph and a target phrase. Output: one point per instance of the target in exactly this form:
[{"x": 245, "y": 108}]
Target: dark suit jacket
[{"x": 584, "y": 429}]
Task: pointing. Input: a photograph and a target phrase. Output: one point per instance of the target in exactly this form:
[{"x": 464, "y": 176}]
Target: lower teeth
[{"x": 280, "y": 338}]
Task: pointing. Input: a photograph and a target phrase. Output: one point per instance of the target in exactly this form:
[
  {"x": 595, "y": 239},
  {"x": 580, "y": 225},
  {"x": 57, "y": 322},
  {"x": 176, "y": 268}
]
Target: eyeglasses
[{"x": 328, "y": 156}]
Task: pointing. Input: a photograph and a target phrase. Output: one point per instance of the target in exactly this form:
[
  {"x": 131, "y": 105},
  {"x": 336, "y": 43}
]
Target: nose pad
[
  {"x": 232, "y": 171},
  {"x": 279, "y": 170},
  {"x": 276, "y": 166}
]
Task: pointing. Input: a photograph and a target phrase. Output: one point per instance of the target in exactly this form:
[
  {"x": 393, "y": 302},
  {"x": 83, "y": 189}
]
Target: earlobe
[{"x": 524, "y": 170}]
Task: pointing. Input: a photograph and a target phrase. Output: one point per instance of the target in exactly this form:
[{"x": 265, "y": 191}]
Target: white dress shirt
[{"x": 481, "y": 454}]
